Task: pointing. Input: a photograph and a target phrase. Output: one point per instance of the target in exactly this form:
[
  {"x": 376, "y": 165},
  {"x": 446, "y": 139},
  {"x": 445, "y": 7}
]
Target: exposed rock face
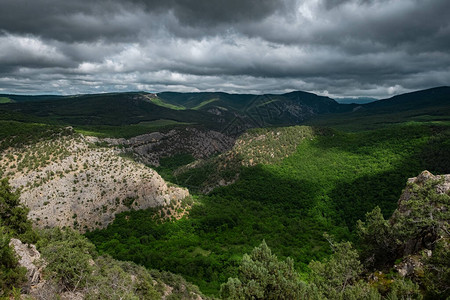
[
  {"x": 428, "y": 216},
  {"x": 70, "y": 182},
  {"x": 442, "y": 188},
  {"x": 412, "y": 265},
  {"x": 28, "y": 256},
  {"x": 200, "y": 143}
]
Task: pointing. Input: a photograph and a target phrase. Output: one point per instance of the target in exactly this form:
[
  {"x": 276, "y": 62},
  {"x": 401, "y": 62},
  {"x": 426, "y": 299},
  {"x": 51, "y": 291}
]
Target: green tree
[
  {"x": 338, "y": 277},
  {"x": 68, "y": 256},
  {"x": 14, "y": 215},
  {"x": 113, "y": 279},
  {"x": 263, "y": 276},
  {"x": 423, "y": 216},
  {"x": 376, "y": 239},
  {"x": 11, "y": 274},
  {"x": 437, "y": 271}
]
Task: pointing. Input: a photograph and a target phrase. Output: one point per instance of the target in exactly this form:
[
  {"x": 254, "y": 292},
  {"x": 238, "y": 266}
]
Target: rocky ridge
[
  {"x": 70, "y": 181},
  {"x": 434, "y": 211},
  {"x": 257, "y": 146},
  {"x": 430, "y": 216},
  {"x": 150, "y": 148}
]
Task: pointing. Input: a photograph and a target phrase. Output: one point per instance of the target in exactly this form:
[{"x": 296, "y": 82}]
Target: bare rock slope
[
  {"x": 69, "y": 181},
  {"x": 200, "y": 143}
]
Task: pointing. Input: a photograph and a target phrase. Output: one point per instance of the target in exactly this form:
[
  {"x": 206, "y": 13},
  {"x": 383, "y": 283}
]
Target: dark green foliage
[
  {"x": 327, "y": 184},
  {"x": 425, "y": 213},
  {"x": 376, "y": 239},
  {"x": 68, "y": 256},
  {"x": 128, "y": 202},
  {"x": 341, "y": 277},
  {"x": 112, "y": 279},
  {"x": 337, "y": 274},
  {"x": 263, "y": 276},
  {"x": 102, "y": 113},
  {"x": 167, "y": 165},
  {"x": 426, "y": 106},
  {"x": 73, "y": 264},
  {"x": 13, "y": 214},
  {"x": 437, "y": 271},
  {"x": 128, "y": 130},
  {"x": 404, "y": 289},
  {"x": 213, "y": 239},
  {"x": 421, "y": 222},
  {"x": 435, "y": 154},
  {"x": 11, "y": 274},
  {"x": 13, "y": 223},
  {"x": 17, "y": 134}
]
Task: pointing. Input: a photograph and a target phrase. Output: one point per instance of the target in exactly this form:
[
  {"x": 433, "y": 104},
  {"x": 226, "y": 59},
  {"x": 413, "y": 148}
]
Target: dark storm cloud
[
  {"x": 86, "y": 20},
  {"x": 340, "y": 47},
  {"x": 204, "y": 12}
]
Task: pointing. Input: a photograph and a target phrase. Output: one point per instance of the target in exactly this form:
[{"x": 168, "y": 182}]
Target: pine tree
[{"x": 263, "y": 276}]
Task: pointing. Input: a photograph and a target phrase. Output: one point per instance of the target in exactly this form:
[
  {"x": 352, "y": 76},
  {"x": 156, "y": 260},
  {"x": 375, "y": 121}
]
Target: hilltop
[{"x": 68, "y": 180}]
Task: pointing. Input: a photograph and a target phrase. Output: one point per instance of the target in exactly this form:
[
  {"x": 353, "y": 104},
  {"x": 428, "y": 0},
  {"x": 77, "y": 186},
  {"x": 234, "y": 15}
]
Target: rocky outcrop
[
  {"x": 421, "y": 211},
  {"x": 151, "y": 147},
  {"x": 28, "y": 257},
  {"x": 69, "y": 181},
  {"x": 443, "y": 187},
  {"x": 412, "y": 265}
]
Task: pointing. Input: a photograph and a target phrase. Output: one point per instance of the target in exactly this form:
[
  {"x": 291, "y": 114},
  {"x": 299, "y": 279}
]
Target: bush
[
  {"x": 14, "y": 215},
  {"x": 68, "y": 256},
  {"x": 11, "y": 274},
  {"x": 263, "y": 276}
]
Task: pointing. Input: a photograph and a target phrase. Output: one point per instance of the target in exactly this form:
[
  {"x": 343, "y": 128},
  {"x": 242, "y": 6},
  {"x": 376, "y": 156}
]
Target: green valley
[
  {"x": 326, "y": 185},
  {"x": 217, "y": 190}
]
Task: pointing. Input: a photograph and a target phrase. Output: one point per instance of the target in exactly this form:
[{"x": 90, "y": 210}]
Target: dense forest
[
  {"x": 329, "y": 183},
  {"x": 289, "y": 212}
]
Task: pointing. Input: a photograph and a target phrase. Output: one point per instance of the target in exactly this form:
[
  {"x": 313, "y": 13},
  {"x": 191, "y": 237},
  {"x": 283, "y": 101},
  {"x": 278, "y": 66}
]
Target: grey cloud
[
  {"x": 336, "y": 47},
  {"x": 213, "y": 12}
]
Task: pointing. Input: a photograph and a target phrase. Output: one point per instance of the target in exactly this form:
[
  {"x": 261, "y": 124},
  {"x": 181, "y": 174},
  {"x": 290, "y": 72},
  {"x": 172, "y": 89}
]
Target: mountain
[
  {"x": 133, "y": 113},
  {"x": 429, "y": 105},
  {"x": 248, "y": 111},
  {"x": 424, "y": 99},
  {"x": 228, "y": 113},
  {"x": 100, "y": 109},
  {"x": 355, "y": 100}
]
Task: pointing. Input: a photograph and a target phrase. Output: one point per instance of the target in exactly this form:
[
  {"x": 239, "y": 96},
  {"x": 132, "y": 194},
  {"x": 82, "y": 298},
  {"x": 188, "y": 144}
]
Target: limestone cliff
[
  {"x": 69, "y": 181},
  {"x": 149, "y": 148}
]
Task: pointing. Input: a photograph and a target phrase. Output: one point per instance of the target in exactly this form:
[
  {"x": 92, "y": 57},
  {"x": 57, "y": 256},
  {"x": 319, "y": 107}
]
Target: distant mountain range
[
  {"x": 229, "y": 113},
  {"x": 357, "y": 100}
]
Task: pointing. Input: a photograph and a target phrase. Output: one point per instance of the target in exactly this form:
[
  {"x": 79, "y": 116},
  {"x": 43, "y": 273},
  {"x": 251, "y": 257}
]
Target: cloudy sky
[{"x": 332, "y": 47}]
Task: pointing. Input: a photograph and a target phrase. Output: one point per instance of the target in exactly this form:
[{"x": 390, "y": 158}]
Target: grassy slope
[
  {"x": 206, "y": 102},
  {"x": 5, "y": 100},
  {"x": 159, "y": 102},
  {"x": 326, "y": 185}
]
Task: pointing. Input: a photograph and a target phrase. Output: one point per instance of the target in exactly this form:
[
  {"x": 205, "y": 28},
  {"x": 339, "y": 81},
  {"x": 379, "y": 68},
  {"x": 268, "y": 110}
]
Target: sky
[{"x": 340, "y": 48}]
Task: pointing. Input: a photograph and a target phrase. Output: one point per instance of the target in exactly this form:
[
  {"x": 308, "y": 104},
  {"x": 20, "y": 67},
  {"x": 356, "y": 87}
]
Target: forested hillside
[
  {"x": 329, "y": 182},
  {"x": 317, "y": 204}
]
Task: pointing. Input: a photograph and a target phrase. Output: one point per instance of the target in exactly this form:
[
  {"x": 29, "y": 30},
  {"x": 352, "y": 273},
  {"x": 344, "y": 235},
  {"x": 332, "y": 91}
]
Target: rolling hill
[{"x": 283, "y": 184}]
